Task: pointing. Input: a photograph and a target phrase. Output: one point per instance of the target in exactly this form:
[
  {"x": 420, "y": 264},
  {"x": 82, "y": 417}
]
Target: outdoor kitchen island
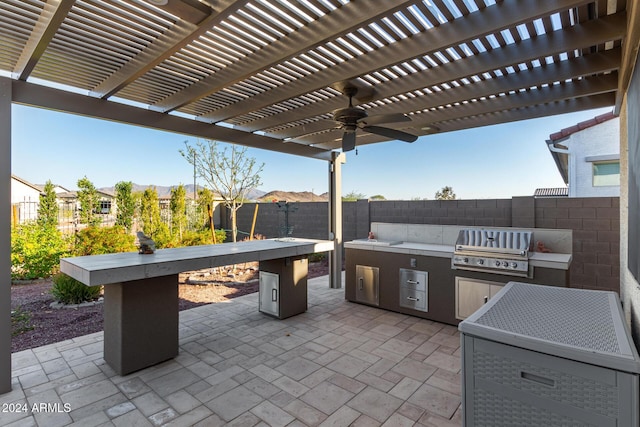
[
  {"x": 413, "y": 269},
  {"x": 141, "y": 291}
]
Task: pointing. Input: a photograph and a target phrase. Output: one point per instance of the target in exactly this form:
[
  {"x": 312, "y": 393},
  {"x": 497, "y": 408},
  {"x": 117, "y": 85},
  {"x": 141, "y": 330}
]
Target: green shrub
[
  {"x": 36, "y": 250},
  {"x": 317, "y": 257},
  {"x": 203, "y": 237},
  {"x": 103, "y": 240},
  {"x": 68, "y": 290}
]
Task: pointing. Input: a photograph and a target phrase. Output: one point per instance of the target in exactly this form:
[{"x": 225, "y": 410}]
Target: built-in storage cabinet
[
  {"x": 419, "y": 286},
  {"x": 413, "y": 288},
  {"x": 269, "y": 293},
  {"x": 283, "y": 286},
  {"x": 471, "y": 294},
  {"x": 368, "y": 284}
]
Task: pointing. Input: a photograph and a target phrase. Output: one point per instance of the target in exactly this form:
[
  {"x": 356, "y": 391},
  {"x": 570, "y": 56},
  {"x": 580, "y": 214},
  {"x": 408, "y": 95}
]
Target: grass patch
[{"x": 20, "y": 321}]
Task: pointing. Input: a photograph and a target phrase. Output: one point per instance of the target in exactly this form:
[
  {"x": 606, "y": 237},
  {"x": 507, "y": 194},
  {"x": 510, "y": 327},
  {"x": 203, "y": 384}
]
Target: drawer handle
[
  {"x": 274, "y": 295},
  {"x": 360, "y": 282},
  {"x": 537, "y": 379},
  {"x": 413, "y": 299},
  {"x": 413, "y": 282},
  {"x": 486, "y": 299}
]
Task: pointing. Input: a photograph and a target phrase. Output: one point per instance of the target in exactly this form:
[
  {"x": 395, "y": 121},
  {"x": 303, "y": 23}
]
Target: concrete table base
[
  {"x": 140, "y": 323},
  {"x": 141, "y": 291}
]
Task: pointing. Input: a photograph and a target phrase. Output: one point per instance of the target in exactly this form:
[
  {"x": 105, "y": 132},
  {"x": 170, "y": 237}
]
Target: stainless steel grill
[{"x": 497, "y": 251}]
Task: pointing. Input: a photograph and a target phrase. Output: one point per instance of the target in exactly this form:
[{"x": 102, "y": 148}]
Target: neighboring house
[
  {"x": 25, "y": 198},
  {"x": 69, "y": 203},
  {"x": 588, "y": 157},
  {"x": 191, "y": 205},
  {"x": 551, "y": 192}
]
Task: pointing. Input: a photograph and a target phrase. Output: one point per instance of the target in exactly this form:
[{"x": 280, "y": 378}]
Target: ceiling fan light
[{"x": 430, "y": 129}]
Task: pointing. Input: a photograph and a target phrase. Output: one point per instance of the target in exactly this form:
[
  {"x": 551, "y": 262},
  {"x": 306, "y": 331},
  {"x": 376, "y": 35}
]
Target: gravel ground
[{"x": 35, "y": 323}]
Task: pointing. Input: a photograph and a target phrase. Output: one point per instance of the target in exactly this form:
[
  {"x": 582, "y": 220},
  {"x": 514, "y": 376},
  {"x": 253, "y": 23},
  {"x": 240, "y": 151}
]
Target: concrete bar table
[{"x": 141, "y": 292}]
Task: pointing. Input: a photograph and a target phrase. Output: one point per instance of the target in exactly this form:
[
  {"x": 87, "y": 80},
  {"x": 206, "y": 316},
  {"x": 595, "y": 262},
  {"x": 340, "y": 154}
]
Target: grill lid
[{"x": 507, "y": 242}]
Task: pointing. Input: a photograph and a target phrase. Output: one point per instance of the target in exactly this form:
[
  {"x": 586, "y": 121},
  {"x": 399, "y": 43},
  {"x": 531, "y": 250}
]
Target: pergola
[{"x": 269, "y": 74}]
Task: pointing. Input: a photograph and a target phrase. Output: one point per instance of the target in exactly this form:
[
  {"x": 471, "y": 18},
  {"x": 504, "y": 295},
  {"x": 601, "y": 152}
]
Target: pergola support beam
[
  {"x": 335, "y": 219},
  {"x": 5, "y": 235}
]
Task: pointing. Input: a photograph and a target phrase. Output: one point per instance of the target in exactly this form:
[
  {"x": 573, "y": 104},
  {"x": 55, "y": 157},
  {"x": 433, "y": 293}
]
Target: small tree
[
  {"x": 205, "y": 200},
  {"x": 378, "y": 197},
  {"x": 125, "y": 204},
  {"x": 446, "y": 193},
  {"x": 353, "y": 196},
  {"x": 150, "y": 212},
  {"x": 231, "y": 175},
  {"x": 48, "y": 209},
  {"x": 178, "y": 206},
  {"x": 89, "y": 202}
]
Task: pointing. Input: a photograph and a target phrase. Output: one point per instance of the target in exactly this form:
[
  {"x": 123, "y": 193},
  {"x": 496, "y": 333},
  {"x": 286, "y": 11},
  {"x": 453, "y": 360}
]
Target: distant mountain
[
  {"x": 165, "y": 191},
  {"x": 293, "y": 196}
]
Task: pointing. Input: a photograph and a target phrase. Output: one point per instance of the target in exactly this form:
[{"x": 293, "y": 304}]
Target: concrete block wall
[
  {"x": 596, "y": 237},
  {"x": 488, "y": 213},
  {"x": 595, "y": 223}
]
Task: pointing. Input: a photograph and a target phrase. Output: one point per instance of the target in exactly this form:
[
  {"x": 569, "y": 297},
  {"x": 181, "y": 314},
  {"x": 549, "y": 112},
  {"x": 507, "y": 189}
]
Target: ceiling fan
[{"x": 352, "y": 118}]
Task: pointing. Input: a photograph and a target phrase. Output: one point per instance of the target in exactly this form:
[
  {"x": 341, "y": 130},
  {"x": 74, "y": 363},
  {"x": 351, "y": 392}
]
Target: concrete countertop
[
  {"x": 536, "y": 259},
  {"x": 123, "y": 267}
]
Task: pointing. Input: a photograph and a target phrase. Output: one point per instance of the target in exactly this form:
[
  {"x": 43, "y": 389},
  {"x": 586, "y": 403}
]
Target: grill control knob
[
  {"x": 505, "y": 264},
  {"x": 480, "y": 262},
  {"x": 514, "y": 265},
  {"x": 497, "y": 263},
  {"x": 465, "y": 260}
]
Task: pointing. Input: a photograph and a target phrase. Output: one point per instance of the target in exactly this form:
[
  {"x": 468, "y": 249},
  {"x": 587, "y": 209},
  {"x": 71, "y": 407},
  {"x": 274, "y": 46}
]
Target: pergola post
[
  {"x": 335, "y": 219},
  {"x": 5, "y": 235}
]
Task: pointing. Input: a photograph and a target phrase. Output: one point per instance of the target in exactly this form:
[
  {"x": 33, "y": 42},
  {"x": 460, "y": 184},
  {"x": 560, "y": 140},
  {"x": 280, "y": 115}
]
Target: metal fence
[{"x": 68, "y": 216}]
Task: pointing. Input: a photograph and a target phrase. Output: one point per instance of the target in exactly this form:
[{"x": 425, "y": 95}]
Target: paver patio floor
[{"x": 338, "y": 364}]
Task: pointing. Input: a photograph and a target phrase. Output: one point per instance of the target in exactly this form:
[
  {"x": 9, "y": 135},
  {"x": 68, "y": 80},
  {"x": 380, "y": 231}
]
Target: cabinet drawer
[
  {"x": 514, "y": 376},
  {"x": 415, "y": 300},
  {"x": 412, "y": 279}
]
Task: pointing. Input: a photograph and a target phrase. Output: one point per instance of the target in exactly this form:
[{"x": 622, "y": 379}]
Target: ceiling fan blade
[
  {"x": 390, "y": 133},
  {"x": 378, "y": 119},
  {"x": 348, "y": 141}
]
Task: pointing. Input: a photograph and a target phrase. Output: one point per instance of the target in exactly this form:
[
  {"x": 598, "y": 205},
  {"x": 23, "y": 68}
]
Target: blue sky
[{"x": 492, "y": 162}]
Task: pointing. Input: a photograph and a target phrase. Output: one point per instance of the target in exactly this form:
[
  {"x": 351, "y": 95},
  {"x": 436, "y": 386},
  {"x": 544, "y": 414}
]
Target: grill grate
[{"x": 498, "y": 241}]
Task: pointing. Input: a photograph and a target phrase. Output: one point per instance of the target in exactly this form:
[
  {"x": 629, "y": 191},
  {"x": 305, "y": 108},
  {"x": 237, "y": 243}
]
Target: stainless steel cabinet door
[
  {"x": 270, "y": 293},
  {"x": 367, "y": 284}
]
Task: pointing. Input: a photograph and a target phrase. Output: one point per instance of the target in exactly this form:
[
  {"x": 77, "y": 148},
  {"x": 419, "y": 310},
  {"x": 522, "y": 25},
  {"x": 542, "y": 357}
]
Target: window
[
  {"x": 105, "y": 207},
  {"x": 606, "y": 173}
]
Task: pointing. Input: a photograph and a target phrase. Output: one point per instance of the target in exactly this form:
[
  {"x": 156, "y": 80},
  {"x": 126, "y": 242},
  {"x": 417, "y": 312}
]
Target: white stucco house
[
  {"x": 25, "y": 198},
  {"x": 588, "y": 156}
]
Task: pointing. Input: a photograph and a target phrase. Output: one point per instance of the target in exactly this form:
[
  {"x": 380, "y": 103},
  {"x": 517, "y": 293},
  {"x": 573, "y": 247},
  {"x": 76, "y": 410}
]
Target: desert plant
[
  {"x": 103, "y": 240},
  {"x": 68, "y": 290},
  {"x": 36, "y": 251}
]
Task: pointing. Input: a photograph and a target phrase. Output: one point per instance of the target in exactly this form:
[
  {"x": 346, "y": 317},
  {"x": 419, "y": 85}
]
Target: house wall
[
  {"x": 25, "y": 201},
  {"x": 20, "y": 192},
  {"x": 630, "y": 205},
  {"x": 599, "y": 140},
  {"x": 595, "y": 223}
]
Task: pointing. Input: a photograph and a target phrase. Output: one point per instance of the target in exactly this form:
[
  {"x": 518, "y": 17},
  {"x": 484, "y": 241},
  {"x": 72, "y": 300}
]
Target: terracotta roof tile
[{"x": 581, "y": 126}]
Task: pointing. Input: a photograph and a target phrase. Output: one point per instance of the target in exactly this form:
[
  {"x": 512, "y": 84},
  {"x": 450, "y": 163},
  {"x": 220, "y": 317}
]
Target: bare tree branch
[{"x": 232, "y": 175}]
